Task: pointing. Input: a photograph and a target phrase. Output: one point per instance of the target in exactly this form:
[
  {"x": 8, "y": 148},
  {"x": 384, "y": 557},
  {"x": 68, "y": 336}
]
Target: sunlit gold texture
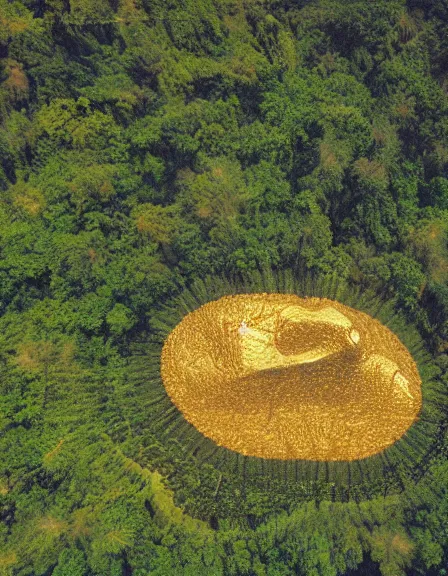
[{"x": 278, "y": 376}]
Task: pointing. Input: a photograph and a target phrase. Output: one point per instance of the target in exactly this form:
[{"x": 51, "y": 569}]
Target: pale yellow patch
[
  {"x": 53, "y": 525},
  {"x": 7, "y": 560}
]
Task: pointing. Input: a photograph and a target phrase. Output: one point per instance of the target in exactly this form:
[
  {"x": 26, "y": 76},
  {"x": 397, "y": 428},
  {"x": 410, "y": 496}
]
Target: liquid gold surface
[{"x": 278, "y": 376}]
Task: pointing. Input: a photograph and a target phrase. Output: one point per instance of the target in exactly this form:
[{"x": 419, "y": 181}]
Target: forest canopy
[{"x": 146, "y": 145}]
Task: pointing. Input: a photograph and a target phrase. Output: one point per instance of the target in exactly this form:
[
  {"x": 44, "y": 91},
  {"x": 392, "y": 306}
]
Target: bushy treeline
[{"x": 145, "y": 144}]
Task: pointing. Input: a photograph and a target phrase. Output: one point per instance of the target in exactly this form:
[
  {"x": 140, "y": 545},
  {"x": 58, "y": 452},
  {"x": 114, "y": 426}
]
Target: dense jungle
[{"x": 146, "y": 145}]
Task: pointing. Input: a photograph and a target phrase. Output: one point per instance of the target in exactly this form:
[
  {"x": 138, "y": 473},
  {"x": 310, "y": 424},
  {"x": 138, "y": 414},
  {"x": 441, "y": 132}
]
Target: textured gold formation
[{"x": 278, "y": 376}]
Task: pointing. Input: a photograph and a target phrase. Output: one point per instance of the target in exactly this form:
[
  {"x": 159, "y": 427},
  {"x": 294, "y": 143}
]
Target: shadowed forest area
[{"x": 147, "y": 144}]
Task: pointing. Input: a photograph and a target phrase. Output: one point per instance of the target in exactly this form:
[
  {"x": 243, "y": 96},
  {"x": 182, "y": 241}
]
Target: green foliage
[
  {"x": 120, "y": 319},
  {"x": 146, "y": 145},
  {"x": 438, "y": 193},
  {"x": 71, "y": 562}
]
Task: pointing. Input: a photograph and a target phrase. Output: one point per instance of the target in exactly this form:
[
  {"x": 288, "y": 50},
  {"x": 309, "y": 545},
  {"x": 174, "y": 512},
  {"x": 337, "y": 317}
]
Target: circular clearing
[{"x": 283, "y": 377}]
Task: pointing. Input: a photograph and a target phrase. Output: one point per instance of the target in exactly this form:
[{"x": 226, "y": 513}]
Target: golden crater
[{"x": 278, "y": 376}]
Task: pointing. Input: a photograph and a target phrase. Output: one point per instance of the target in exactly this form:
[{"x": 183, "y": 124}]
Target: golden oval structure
[{"x": 283, "y": 377}]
